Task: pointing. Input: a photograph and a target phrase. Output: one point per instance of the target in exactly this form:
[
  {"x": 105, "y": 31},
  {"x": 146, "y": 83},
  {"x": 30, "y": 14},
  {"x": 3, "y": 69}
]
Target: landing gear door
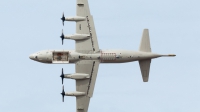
[{"x": 60, "y": 57}]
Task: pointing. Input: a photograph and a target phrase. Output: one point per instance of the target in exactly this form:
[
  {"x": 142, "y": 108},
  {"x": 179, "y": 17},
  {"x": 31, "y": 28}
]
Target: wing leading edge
[
  {"x": 87, "y": 46},
  {"x": 86, "y": 85},
  {"x": 86, "y": 27}
]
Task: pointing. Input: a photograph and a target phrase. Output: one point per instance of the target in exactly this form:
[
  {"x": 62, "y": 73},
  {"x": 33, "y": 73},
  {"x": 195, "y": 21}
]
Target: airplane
[{"x": 87, "y": 56}]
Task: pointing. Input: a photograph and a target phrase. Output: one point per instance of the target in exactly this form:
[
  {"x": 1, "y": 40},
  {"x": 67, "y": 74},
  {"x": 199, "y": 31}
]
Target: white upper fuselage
[{"x": 104, "y": 56}]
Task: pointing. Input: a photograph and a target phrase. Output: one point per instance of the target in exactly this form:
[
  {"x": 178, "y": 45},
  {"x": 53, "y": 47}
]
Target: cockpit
[{"x": 42, "y": 56}]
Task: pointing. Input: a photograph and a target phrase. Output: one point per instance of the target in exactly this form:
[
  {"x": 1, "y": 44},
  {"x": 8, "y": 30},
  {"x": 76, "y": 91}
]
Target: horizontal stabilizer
[
  {"x": 145, "y": 42},
  {"x": 145, "y": 68}
]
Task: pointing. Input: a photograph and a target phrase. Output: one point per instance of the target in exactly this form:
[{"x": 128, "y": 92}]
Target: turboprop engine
[
  {"x": 74, "y": 18},
  {"x": 76, "y": 76},
  {"x": 74, "y": 36},
  {"x": 76, "y": 93}
]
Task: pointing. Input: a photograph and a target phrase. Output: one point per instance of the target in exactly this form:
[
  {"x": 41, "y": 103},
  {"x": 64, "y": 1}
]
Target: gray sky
[{"x": 28, "y": 26}]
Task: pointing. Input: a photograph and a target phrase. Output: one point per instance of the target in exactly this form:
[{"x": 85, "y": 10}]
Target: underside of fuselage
[{"x": 104, "y": 56}]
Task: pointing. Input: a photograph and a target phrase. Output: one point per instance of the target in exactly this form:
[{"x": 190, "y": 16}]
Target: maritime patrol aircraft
[{"x": 87, "y": 56}]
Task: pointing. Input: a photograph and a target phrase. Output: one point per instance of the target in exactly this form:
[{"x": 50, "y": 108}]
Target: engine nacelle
[
  {"x": 78, "y": 36},
  {"x": 76, "y": 93},
  {"x": 76, "y": 76},
  {"x": 75, "y": 18}
]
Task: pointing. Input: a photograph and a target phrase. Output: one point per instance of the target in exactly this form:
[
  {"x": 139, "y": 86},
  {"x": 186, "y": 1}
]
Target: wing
[
  {"x": 87, "y": 85},
  {"x": 86, "y": 27}
]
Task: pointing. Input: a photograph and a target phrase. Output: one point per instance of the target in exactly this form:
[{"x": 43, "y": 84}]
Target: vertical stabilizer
[
  {"x": 145, "y": 68},
  {"x": 145, "y": 42}
]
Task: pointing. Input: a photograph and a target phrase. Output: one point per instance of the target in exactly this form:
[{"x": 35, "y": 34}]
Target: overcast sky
[{"x": 28, "y": 26}]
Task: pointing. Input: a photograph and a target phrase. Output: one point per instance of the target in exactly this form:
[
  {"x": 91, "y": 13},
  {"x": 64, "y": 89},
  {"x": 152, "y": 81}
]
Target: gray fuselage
[{"x": 104, "y": 56}]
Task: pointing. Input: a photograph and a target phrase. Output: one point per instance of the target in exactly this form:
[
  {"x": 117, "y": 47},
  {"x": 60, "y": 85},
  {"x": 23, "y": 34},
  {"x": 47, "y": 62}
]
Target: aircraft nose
[{"x": 32, "y": 56}]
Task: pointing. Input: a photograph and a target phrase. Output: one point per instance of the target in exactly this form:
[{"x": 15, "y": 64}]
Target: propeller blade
[
  {"x": 62, "y": 76},
  {"x": 63, "y": 99},
  {"x": 62, "y": 37},
  {"x": 63, "y": 18},
  {"x": 63, "y": 94}
]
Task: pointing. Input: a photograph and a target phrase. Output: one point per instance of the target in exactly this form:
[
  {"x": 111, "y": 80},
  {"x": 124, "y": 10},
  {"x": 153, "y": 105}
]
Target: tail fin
[
  {"x": 145, "y": 47},
  {"x": 145, "y": 42},
  {"x": 145, "y": 68}
]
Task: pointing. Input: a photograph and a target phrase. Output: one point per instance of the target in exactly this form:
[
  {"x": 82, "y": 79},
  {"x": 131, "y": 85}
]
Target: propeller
[
  {"x": 63, "y": 18},
  {"x": 62, "y": 36},
  {"x": 63, "y": 94},
  {"x": 62, "y": 75}
]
